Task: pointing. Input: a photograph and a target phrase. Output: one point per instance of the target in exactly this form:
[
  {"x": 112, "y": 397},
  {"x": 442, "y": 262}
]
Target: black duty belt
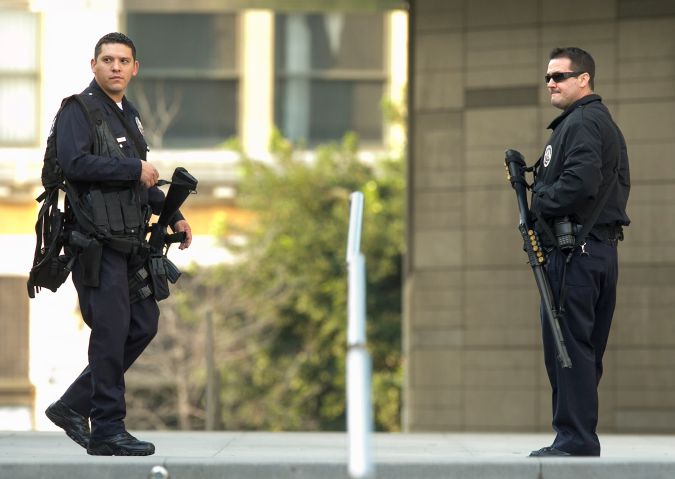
[{"x": 607, "y": 232}]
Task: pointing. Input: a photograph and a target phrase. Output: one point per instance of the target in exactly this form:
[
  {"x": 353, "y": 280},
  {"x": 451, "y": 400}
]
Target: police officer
[
  {"x": 109, "y": 162},
  {"x": 581, "y": 179}
]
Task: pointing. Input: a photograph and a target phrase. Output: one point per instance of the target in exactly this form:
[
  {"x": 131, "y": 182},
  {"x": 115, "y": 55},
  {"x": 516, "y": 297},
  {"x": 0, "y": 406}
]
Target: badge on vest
[
  {"x": 139, "y": 125},
  {"x": 548, "y": 153}
]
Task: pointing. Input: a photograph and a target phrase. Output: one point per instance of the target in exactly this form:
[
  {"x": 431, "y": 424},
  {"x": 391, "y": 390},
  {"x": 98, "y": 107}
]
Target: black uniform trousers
[
  {"x": 120, "y": 331},
  {"x": 590, "y": 282}
]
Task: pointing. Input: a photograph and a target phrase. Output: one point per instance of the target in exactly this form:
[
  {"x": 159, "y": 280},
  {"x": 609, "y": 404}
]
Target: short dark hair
[
  {"x": 115, "y": 37},
  {"x": 580, "y": 60}
]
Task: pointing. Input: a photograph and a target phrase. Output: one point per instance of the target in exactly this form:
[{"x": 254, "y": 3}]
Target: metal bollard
[
  {"x": 158, "y": 472},
  {"x": 359, "y": 401}
]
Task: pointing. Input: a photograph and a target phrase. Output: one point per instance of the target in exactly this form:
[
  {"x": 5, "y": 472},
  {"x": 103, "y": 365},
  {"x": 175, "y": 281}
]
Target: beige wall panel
[
  {"x": 437, "y": 318},
  {"x": 607, "y": 410},
  {"x": 494, "y": 207},
  {"x": 435, "y": 397},
  {"x": 493, "y": 247},
  {"x": 500, "y": 369},
  {"x": 439, "y": 15},
  {"x": 634, "y": 398},
  {"x": 437, "y": 209},
  {"x": 500, "y": 38},
  {"x": 647, "y": 326},
  {"x": 436, "y": 300},
  {"x": 648, "y": 121},
  {"x": 518, "y": 278},
  {"x": 437, "y": 90},
  {"x": 513, "y": 75},
  {"x": 650, "y": 236},
  {"x": 577, "y": 10},
  {"x": 566, "y": 34},
  {"x": 439, "y": 158},
  {"x": 436, "y": 338},
  {"x": 645, "y": 358},
  {"x": 650, "y": 161},
  {"x": 436, "y": 368},
  {"x": 439, "y": 51},
  {"x": 497, "y": 127},
  {"x": 499, "y": 56},
  {"x": 483, "y": 13},
  {"x": 645, "y": 420},
  {"x": 438, "y": 249},
  {"x": 642, "y": 68},
  {"x": 646, "y": 89},
  {"x": 646, "y": 39},
  {"x": 437, "y": 419},
  {"x": 494, "y": 410},
  {"x": 504, "y": 308},
  {"x": 501, "y": 334},
  {"x": 646, "y": 379},
  {"x": 439, "y": 301}
]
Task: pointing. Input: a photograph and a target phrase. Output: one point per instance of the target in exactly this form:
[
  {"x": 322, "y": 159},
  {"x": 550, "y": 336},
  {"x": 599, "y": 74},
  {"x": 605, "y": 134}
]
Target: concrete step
[{"x": 262, "y": 455}]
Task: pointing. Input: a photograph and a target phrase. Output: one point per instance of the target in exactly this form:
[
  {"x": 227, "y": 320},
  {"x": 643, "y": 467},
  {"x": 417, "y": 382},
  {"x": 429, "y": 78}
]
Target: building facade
[
  {"x": 471, "y": 327},
  {"x": 215, "y": 79}
]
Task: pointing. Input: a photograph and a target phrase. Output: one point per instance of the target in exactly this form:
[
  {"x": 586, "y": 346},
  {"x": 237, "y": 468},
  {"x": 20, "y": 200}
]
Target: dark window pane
[
  {"x": 330, "y": 75},
  {"x": 331, "y": 109},
  {"x": 204, "y": 111},
  {"x": 333, "y": 41},
  {"x": 187, "y": 88},
  {"x": 183, "y": 41}
]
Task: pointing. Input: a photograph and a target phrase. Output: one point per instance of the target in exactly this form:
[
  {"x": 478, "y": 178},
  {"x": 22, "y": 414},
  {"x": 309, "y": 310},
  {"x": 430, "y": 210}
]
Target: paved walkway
[{"x": 257, "y": 455}]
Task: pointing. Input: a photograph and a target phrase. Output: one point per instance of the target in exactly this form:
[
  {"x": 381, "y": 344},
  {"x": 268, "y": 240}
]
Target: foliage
[{"x": 280, "y": 312}]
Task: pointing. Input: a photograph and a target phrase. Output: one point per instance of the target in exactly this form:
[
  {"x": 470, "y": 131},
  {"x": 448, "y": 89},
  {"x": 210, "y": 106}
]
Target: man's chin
[{"x": 556, "y": 103}]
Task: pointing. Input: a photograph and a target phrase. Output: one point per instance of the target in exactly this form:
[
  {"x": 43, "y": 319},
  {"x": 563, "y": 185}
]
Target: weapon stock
[
  {"x": 515, "y": 165},
  {"x": 161, "y": 268}
]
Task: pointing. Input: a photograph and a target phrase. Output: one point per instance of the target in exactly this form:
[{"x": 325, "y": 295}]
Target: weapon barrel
[
  {"x": 515, "y": 163},
  {"x": 551, "y": 316}
]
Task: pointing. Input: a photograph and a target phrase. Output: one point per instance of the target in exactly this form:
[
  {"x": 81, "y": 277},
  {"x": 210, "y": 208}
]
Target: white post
[{"x": 359, "y": 406}]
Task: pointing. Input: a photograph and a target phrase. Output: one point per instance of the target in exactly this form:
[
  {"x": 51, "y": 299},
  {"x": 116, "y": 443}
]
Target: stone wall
[{"x": 471, "y": 328}]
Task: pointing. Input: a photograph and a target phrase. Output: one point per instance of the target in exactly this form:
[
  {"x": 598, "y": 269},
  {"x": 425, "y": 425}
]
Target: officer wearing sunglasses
[{"x": 582, "y": 179}]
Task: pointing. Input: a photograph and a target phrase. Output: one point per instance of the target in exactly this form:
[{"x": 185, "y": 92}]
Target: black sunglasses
[{"x": 561, "y": 76}]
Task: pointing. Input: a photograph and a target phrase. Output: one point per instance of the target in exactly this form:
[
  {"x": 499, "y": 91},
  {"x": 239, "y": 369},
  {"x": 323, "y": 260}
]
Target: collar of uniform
[
  {"x": 94, "y": 86},
  {"x": 580, "y": 102}
]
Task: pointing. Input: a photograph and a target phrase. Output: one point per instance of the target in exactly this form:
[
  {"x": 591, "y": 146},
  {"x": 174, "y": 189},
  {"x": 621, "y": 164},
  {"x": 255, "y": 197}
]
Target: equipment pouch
[
  {"x": 52, "y": 274},
  {"x": 160, "y": 283},
  {"x": 564, "y": 233},
  {"x": 90, "y": 259}
]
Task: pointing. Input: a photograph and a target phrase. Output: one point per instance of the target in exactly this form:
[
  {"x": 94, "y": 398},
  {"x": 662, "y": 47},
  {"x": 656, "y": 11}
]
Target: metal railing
[{"x": 359, "y": 404}]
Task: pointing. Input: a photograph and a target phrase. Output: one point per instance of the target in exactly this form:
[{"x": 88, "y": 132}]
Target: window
[
  {"x": 18, "y": 78},
  {"x": 187, "y": 86},
  {"x": 330, "y": 76}
]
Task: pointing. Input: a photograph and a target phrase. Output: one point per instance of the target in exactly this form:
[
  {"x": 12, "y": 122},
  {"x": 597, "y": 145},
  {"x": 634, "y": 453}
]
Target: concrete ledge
[{"x": 202, "y": 455}]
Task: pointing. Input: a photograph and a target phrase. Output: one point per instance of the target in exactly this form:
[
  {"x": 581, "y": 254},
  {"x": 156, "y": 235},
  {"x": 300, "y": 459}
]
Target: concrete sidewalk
[{"x": 256, "y": 455}]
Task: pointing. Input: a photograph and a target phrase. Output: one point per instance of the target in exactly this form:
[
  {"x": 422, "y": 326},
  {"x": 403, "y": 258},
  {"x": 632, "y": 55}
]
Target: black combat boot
[{"x": 122, "y": 444}]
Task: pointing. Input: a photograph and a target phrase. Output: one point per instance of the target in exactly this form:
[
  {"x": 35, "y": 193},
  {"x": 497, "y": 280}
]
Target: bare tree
[
  {"x": 167, "y": 387},
  {"x": 157, "y": 120}
]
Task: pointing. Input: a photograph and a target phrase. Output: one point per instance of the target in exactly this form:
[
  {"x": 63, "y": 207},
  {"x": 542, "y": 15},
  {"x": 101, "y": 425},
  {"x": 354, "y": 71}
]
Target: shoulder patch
[{"x": 548, "y": 153}]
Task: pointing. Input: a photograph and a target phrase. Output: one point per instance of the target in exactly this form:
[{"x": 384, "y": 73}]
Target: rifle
[
  {"x": 515, "y": 165},
  {"x": 162, "y": 269}
]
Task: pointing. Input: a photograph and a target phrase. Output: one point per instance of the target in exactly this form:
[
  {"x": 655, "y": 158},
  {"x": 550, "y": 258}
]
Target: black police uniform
[
  {"x": 585, "y": 156},
  {"x": 120, "y": 331}
]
